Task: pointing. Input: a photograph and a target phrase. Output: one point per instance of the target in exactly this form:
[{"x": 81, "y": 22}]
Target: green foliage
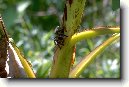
[
  {"x": 11, "y": 11},
  {"x": 115, "y": 4},
  {"x": 43, "y": 70},
  {"x": 31, "y": 24}
]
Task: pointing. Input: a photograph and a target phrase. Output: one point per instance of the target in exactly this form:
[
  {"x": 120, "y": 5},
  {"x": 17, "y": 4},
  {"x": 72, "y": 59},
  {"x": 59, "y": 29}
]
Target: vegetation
[{"x": 31, "y": 24}]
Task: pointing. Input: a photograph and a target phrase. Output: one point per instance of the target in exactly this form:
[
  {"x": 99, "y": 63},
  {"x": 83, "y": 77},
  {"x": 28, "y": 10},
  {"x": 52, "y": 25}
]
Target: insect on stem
[{"x": 59, "y": 36}]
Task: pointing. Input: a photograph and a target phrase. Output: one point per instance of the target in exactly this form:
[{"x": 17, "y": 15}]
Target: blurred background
[{"x": 31, "y": 24}]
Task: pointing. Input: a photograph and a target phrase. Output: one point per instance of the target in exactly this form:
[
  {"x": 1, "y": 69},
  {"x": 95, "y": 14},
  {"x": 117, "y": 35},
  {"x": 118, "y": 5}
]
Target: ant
[{"x": 59, "y": 36}]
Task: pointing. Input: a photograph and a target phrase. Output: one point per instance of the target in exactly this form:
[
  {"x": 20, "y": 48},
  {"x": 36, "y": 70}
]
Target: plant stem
[
  {"x": 79, "y": 68},
  {"x": 92, "y": 33},
  {"x": 71, "y": 20}
]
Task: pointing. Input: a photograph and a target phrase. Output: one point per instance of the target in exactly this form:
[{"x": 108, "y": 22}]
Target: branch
[
  {"x": 93, "y": 33},
  {"x": 79, "y": 68}
]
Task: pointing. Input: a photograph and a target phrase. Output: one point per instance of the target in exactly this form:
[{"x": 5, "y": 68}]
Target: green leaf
[
  {"x": 115, "y": 4},
  {"x": 43, "y": 70},
  {"x": 9, "y": 16}
]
